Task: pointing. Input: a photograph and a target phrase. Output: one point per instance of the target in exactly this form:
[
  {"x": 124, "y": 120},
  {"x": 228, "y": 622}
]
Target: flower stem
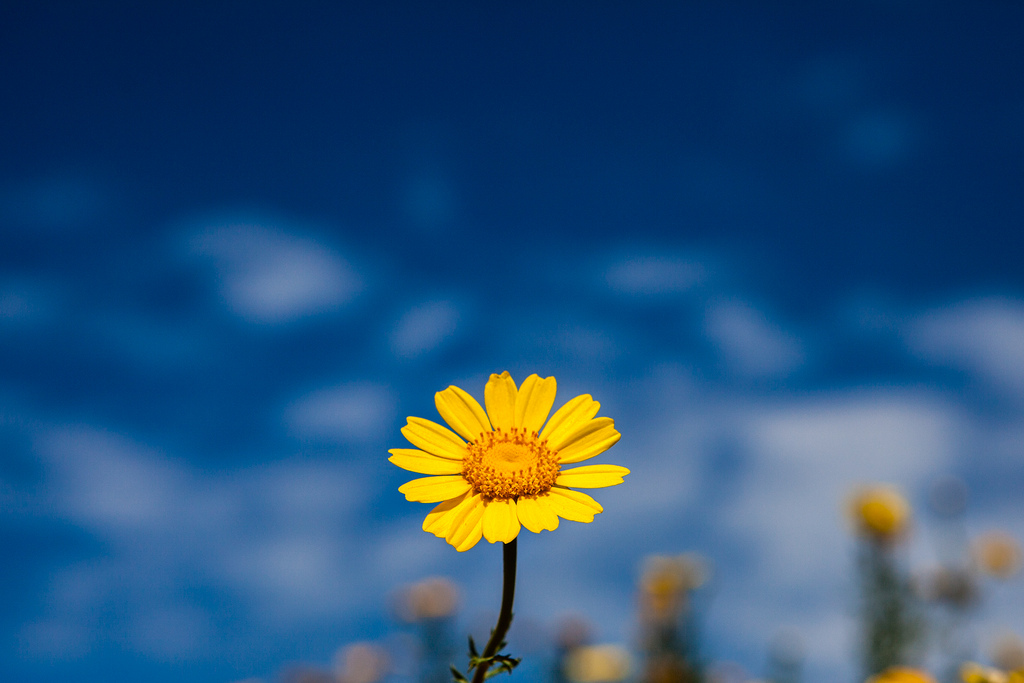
[{"x": 508, "y": 594}]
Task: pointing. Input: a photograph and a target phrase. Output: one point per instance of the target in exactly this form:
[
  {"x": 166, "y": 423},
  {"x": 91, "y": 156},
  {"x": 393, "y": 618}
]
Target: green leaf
[
  {"x": 457, "y": 675},
  {"x": 505, "y": 665}
]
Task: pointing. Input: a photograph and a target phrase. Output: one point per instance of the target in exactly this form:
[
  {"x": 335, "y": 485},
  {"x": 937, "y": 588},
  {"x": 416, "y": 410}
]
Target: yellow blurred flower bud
[
  {"x": 902, "y": 674},
  {"x": 666, "y": 581},
  {"x": 880, "y": 512},
  {"x": 972, "y": 672},
  {"x": 598, "y": 664},
  {"x": 997, "y": 554}
]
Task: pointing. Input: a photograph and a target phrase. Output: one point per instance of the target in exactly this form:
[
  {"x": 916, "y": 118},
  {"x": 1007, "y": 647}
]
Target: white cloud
[
  {"x": 653, "y": 275},
  {"x": 276, "y": 538},
  {"x": 104, "y": 481},
  {"x": 750, "y": 343},
  {"x": 807, "y": 457},
  {"x": 423, "y": 328},
  {"x": 352, "y": 412},
  {"x": 294, "y": 577},
  {"x": 271, "y": 276},
  {"x": 984, "y": 337}
]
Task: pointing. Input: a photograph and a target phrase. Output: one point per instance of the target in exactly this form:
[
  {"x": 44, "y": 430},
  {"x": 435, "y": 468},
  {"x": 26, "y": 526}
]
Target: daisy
[{"x": 501, "y": 469}]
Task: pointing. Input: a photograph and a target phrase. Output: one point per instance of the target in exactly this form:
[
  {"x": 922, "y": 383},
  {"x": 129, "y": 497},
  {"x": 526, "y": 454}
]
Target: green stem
[{"x": 508, "y": 594}]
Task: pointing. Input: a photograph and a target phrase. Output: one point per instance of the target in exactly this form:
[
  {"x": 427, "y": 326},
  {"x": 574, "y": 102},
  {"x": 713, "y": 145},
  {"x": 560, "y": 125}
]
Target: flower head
[
  {"x": 598, "y": 664},
  {"x": 880, "y": 512},
  {"x": 902, "y": 674},
  {"x": 501, "y": 469},
  {"x": 667, "y": 581},
  {"x": 997, "y": 553},
  {"x": 432, "y": 598},
  {"x": 361, "y": 663},
  {"x": 972, "y": 672}
]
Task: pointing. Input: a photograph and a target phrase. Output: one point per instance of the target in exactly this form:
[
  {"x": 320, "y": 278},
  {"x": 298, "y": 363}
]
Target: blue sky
[{"x": 239, "y": 243}]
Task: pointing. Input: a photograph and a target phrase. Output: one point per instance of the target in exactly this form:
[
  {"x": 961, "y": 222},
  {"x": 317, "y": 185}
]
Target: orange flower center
[{"x": 502, "y": 465}]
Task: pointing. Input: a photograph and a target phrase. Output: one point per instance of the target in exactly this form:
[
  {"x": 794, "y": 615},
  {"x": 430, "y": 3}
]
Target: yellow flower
[
  {"x": 501, "y": 470},
  {"x": 902, "y": 674},
  {"x": 667, "y": 580},
  {"x": 880, "y": 512}
]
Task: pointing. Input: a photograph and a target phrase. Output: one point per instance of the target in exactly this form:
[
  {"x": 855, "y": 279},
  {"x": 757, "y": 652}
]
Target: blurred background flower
[
  {"x": 880, "y": 513},
  {"x": 997, "y": 554}
]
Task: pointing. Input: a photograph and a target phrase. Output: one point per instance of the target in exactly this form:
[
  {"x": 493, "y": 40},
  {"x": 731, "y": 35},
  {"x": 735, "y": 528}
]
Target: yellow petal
[
  {"x": 536, "y": 516},
  {"x": 433, "y": 438},
  {"x": 422, "y": 462},
  {"x": 534, "y": 401},
  {"x": 500, "y": 399},
  {"x": 439, "y": 521},
  {"x": 501, "y": 523},
  {"x": 472, "y": 538},
  {"x": 592, "y": 476},
  {"x": 572, "y": 505},
  {"x": 434, "y": 489},
  {"x": 568, "y": 419},
  {"x": 593, "y": 438},
  {"x": 466, "y": 529},
  {"x": 462, "y": 412}
]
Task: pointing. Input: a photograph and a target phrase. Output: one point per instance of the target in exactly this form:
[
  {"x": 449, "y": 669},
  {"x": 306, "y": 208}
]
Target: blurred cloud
[
  {"x": 423, "y": 328},
  {"x": 271, "y": 276},
  {"x": 106, "y": 482},
  {"x": 277, "y": 538},
  {"x": 294, "y": 577},
  {"x": 750, "y": 344},
  {"x": 352, "y": 412},
  {"x": 653, "y": 275},
  {"x": 984, "y": 337}
]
